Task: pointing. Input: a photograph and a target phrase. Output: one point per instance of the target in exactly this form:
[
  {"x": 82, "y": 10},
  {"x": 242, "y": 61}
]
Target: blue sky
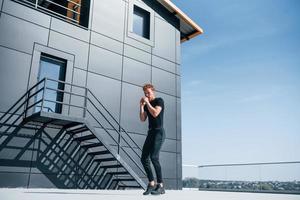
[{"x": 241, "y": 82}]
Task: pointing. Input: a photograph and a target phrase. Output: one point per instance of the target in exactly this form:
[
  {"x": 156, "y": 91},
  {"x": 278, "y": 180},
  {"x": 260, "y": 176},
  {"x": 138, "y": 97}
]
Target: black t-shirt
[{"x": 157, "y": 122}]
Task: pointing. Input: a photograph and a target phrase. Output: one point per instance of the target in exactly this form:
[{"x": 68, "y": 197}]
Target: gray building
[{"x": 71, "y": 77}]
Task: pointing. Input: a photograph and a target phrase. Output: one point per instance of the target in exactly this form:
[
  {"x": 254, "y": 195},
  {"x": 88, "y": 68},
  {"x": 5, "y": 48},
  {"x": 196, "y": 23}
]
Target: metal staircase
[{"x": 105, "y": 155}]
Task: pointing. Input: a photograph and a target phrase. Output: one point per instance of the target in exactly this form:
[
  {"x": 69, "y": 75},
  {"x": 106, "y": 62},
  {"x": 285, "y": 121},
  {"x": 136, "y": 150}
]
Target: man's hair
[{"x": 148, "y": 85}]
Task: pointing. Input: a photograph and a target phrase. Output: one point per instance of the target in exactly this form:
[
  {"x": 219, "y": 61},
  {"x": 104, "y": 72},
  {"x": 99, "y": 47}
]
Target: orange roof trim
[{"x": 183, "y": 19}]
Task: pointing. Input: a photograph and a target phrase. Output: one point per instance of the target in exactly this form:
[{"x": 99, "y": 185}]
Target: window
[
  {"x": 140, "y": 26},
  {"x": 76, "y": 11},
  {"x": 141, "y": 22},
  {"x": 54, "y": 68}
]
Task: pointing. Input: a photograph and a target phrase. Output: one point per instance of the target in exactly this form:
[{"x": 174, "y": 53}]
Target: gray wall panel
[
  {"x": 178, "y": 69},
  {"x": 170, "y": 183},
  {"x": 169, "y": 145},
  {"x": 136, "y": 167},
  {"x": 137, "y": 54},
  {"x": 179, "y": 147},
  {"x": 14, "y": 154},
  {"x": 168, "y": 164},
  {"x": 178, "y": 47},
  {"x": 164, "y": 40},
  {"x": 13, "y": 180},
  {"x": 137, "y": 44},
  {"x": 109, "y": 136},
  {"x": 178, "y": 86},
  {"x": 169, "y": 115},
  {"x": 163, "y": 64},
  {"x": 52, "y": 181},
  {"x": 109, "y": 96},
  {"x": 72, "y": 46},
  {"x": 163, "y": 81},
  {"x": 136, "y": 72},
  {"x": 14, "y": 70},
  {"x": 79, "y": 77},
  {"x": 179, "y": 169},
  {"x": 69, "y": 29},
  {"x": 77, "y": 101},
  {"x": 14, "y": 30},
  {"x": 15, "y": 117},
  {"x": 108, "y": 18},
  {"x": 17, "y": 148},
  {"x": 139, "y": 139},
  {"x": 55, "y": 155},
  {"x": 1, "y": 1},
  {"x": 106, "y": 42},
  {"x": 105, "y": 62},
  {"x": 26, "y": 13},
  {"x": 130, "y": 120},
  {"x": 13, "y": 169},
  {"x": 178, "y": 118}
]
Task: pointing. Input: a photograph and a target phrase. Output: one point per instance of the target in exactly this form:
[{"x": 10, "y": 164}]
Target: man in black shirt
[{"x": 153, "y": 108}]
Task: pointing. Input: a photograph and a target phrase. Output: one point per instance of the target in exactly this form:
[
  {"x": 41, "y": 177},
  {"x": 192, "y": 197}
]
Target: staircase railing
[
  {"x": 36, "y": 99},
  {"x": 12, "y": 111}
]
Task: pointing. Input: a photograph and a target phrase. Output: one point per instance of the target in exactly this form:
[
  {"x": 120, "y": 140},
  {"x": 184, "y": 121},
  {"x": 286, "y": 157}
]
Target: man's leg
[
  {"x": 145, "y": 159},
  {"x": 158, "y": 142}
]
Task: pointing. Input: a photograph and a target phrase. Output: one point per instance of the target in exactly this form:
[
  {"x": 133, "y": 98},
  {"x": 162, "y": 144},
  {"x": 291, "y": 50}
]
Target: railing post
[
  {"x": 85, "y": 102},
  {"x": 36, "y": 3},
  {"x": 119, "y": 139},
  {"x": 26, "y": 105},
  {"x": 42, "y": 106}
]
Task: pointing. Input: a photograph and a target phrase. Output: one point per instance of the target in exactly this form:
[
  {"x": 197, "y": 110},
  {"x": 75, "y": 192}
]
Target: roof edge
[{"x": 181, "y": 15}]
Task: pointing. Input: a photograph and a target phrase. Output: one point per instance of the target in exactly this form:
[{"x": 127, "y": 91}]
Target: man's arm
[
  {"x": 143, "y": 114},
  {"x": 154, "y": 111}
]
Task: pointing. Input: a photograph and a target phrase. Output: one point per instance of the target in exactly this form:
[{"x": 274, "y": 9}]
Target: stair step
[
  {"x": 104, "y": 159},
  {"x": 117, "y": 173},
  {"x": 99, "y": 152},
  {"x": 79, "y": 130},
  {"x": 129, "y": 186},
  {"x": 71, "y": 124},
  {"x": 124, "y": 179},
  {"x": 91, "y": 145},
  {"x": 112, "y": 166},
  {"x": 83, "y": 138}
]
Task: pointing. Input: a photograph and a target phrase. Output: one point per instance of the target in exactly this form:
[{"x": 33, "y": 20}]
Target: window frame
[
  {"x": 130, "y": 32},
  {"x": 35, "y": 66},
  {"x": 62, "y": 63},
  {"x": 145, "y": 16}
]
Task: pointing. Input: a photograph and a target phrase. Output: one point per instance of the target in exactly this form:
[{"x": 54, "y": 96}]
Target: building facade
[{"x": 111, "y": 47}]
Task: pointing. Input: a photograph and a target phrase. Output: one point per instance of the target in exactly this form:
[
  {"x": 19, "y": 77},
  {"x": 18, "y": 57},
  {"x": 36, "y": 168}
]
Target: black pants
[{"x": 151, "y": 148}]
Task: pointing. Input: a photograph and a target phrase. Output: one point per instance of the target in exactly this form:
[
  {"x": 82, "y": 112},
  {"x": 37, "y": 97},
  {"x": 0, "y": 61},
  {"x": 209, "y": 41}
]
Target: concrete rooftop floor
[{"x": 56, "y": 194}]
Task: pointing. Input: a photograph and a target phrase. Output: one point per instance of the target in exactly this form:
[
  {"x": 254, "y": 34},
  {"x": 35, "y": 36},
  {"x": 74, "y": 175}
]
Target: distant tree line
[{"x": 190, "y": 182}]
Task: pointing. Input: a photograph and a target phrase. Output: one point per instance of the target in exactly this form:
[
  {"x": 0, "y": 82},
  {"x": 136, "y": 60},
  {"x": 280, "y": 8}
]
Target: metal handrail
[
  {"x": 62, "y": 6},
  {"x": 17, "y": 102},
  {"x": 37, "y": 6},
  {"x": 114, "y": 129},
  {"x": 89, "y": 91},
  {"x": 27, "y": 96},
  {"x": 87, "y": 99},
  {"x": 49, "y": 109},
  {"x": 25, "y": 99},
  {"x": 243, "y": 164},
  {"x": 92, "y": 103},
  {"x": 115, "y": 120},
  {"x": 251, "y": 185}
]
